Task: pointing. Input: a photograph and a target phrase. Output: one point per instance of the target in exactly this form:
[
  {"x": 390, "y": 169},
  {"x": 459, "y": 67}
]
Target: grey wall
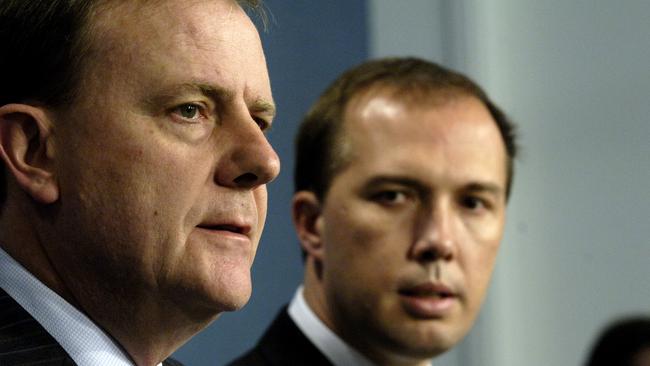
[
  {"x": 308, "y": 43},
  {"x": 575, "y": 75}
]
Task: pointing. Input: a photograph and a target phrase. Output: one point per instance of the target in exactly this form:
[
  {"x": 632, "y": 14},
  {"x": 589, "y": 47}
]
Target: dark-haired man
[
  {"x": 402, "y": 176},
  {"x": 135, "y": 163}
]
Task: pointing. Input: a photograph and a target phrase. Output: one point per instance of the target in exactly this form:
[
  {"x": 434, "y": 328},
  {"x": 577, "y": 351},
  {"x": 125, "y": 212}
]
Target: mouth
[
  {"x": 428, "y": 300},
  {"x": 428, "y": 291},
  {"x": 237, "y": 229},
  {"x": 229, "y": 237}
]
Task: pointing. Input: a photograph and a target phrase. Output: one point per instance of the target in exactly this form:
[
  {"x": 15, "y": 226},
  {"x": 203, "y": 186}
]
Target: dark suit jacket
[
  {"x": 283, "y": 344},
  {"x": 23, "y": 341}
]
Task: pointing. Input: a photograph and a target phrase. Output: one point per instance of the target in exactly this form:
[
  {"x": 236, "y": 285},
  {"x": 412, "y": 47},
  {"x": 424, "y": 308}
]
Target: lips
[
  {"x": 427, "y": 290},
  {"x": 227, "y": 234},
  {"x": 234, "y": 228},
  {"x": 428, "y": 300}
]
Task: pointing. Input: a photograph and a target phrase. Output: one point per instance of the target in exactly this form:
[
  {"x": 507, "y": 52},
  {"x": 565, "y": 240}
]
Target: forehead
[
  {"x": 198, "y": 41},
  {"x": 139, "y": 23},
  {"x": 448, "y": 117},
  {"x": 443, "y": 135}
]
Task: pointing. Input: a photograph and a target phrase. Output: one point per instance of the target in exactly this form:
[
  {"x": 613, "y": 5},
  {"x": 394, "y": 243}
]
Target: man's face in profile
[
  {"x": 412, "y": 223},
  {"x": 162, "y": 159}
]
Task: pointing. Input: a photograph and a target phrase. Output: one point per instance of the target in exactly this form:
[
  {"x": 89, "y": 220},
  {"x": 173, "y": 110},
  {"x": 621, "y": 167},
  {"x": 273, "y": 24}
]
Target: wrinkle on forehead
[
  {"x": 167, "y": 38},
  {"x": 196, "y": 28},
  {"x": 111, "y": 17},
  {"x": 123, "y": 30}
]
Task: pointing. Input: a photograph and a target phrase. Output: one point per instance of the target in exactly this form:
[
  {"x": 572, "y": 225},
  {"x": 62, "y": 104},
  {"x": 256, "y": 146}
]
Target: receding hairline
[
  {"x": 413, "y": 95},
  {"x": 91, "y": 41},
  {"x": 416, "y": 97}
]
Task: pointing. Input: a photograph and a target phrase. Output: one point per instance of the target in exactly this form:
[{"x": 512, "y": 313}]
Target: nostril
[
  {"x": 246, "y": 180},
  {"x": 428, "y": 256}
]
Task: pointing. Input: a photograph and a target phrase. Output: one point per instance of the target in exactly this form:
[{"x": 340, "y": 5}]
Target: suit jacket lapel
[
  {"x": 23, "y": 340},
  {"x": 284, "y": 344}
]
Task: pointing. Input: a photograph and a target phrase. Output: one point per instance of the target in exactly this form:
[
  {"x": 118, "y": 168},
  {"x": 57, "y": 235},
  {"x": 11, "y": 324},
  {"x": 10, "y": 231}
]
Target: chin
[
  {"x": 234, "y": 294},
  {"x": 442, "y": 343},
  {"x": 213, "y": 295},
  {"x": 236, "y": 304},
  {"x": 216, "y": 303},
  {"x": 424, "y": 342},
  {"x": 223, "y": 282},
  {"x": 417, "y": 350},
  {"x": 234, "y": 298}
]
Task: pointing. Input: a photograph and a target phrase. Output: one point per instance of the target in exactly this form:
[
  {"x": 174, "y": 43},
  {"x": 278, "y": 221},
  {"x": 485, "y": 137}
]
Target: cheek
[
  {"x": 148, "y": 181},
  {"x": 486, "y": 229},
  {"x": 359, "y": 243},
  {"x": 260, "y": 196},
  {"x": 480, "y": 241},
  {"x": 478, "y": 263},
  {"x": 347, "y": 232}
]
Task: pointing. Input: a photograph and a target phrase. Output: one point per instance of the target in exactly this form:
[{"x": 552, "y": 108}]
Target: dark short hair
[
  {"x": 620, "y": 342},
  {"x": 44, "y": 48},
  {"x": 317, "y": 158}
]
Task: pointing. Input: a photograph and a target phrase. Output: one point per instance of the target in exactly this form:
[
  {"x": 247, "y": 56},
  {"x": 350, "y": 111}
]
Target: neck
[
  {"x": 22, "y": 240},
  {"x": 315, "y": 297},
  {"x": 150, "y": 331}
]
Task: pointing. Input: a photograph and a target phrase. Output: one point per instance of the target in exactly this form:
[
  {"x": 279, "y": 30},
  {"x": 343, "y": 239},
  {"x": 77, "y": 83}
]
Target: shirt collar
[
  {"x": 82, "y": 339},
  {"x": 330, "y": 345}
]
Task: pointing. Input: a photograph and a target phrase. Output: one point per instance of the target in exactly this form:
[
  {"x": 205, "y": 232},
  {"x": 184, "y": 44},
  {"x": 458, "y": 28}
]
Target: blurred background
[{"x": 575, "y": 76}]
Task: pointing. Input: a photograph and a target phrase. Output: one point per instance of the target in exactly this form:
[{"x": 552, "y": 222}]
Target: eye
[
  {"x": 389, "y": 197},
  {"x": 473, "y": 203},
  {"x": 191, "y": 112},
  {"x": 262, "y": 123}
]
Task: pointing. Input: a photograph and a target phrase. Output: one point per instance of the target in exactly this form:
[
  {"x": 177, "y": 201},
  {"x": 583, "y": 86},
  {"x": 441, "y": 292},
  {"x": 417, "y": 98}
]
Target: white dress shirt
[
  {"x": 330, "y": 345},
  {"x": 83, "y": 340}
]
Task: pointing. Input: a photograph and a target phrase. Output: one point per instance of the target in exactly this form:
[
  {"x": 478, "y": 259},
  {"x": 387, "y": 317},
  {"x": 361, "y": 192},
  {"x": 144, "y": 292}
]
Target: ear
[
  {"x": 27, "y": 149},
  {"x": 308, "y": 222}
]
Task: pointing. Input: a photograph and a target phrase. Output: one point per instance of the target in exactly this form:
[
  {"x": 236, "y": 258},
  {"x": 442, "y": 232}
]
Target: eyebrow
[
  {"x": 389, "y": 179},
  {"x": 263, "y": 106},
  {"x": 474, "y": 186},
  {"x": 488, "y": 187},
  {"x": 259, "y": 105}
]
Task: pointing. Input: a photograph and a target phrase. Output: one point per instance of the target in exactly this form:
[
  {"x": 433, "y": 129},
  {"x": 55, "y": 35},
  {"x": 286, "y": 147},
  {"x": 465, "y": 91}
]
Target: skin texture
[
  {"x": 151, "y": 194},
  {"x": 421, "y": 201}
]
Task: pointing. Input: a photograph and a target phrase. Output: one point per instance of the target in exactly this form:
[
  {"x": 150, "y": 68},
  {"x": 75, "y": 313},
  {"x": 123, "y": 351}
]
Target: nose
[
  {"x": 434, "y": 239},
  {"x": 250, "y": 160}
]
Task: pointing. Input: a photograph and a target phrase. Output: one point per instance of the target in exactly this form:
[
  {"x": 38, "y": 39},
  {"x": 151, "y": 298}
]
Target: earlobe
[
  {"x": 27, "y": 150},
  {"x": 307, "y": 219}
]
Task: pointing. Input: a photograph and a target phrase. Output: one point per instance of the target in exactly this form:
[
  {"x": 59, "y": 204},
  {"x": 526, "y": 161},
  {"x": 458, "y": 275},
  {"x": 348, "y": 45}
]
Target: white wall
[
  {"x": 575, "y": 75},
  {"x": 412, "y": 27}
]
